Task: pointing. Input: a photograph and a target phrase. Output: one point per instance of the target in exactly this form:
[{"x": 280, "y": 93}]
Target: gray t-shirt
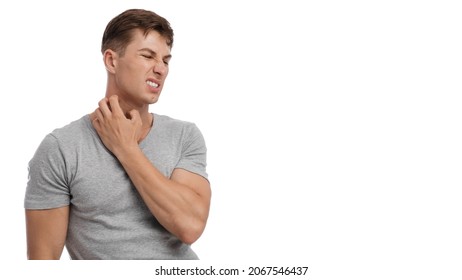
[{"x": 108, "y": 219}]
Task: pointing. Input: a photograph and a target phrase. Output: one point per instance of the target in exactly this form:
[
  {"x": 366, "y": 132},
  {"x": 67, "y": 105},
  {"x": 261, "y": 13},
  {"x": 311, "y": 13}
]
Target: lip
[{"x": 155, "y": 90}]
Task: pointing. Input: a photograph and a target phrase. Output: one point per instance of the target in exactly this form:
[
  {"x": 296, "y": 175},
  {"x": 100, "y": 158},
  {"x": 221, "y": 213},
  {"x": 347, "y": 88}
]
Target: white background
[{"x": 333, "y": 127}]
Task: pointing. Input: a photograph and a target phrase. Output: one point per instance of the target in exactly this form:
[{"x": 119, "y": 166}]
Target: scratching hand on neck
[{"x": 118, "y": 131}]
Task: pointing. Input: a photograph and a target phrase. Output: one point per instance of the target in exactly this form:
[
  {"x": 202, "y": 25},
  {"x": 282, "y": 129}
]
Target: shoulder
[
  {"x": 171, "y": 122},
  {"x": 166, "y": 123},
  {"x": 178, "y": 131},
  {"x": 67, "y": 138},
  {"x": 73, "y": 131}
]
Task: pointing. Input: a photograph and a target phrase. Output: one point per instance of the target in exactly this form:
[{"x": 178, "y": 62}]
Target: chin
[{"x": 153, "y": 99}]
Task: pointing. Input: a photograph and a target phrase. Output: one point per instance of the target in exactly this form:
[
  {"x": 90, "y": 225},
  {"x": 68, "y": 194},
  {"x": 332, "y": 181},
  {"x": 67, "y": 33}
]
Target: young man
[{"x": 121, "y": 183}]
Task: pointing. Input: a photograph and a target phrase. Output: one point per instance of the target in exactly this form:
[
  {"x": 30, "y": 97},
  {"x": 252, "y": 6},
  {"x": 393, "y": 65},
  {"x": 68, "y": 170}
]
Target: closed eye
[{"x": 150, "y": 54}]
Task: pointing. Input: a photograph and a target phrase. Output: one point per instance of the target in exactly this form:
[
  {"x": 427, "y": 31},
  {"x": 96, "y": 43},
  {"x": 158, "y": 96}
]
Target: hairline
[{"x": 145, "y": 31}]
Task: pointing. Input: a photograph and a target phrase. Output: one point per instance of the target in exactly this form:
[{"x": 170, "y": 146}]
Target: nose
[{"x": 160, "y": 68}]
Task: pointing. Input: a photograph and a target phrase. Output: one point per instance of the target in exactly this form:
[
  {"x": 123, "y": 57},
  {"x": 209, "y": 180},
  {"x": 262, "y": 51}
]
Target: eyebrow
[{"x": 154, "y": 53}]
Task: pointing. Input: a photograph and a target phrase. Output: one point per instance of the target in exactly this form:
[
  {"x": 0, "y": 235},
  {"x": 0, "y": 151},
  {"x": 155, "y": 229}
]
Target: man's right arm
[{"x": 46, "y": 233}]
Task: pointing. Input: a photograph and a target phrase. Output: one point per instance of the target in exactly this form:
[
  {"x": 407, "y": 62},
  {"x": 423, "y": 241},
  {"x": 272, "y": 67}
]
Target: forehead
[{"x": 152, "y": 40}]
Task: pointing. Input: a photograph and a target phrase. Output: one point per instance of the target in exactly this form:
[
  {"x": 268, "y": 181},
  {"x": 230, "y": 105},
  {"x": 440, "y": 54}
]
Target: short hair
[{"x": 119, "y": 30}]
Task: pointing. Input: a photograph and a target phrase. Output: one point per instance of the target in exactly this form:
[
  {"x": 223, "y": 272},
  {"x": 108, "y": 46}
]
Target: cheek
[{"x": 130, "y": 78}]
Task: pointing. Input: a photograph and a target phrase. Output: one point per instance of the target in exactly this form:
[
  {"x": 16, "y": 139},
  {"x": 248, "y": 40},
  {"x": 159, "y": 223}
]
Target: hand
[{"x": 117, "y": 132}]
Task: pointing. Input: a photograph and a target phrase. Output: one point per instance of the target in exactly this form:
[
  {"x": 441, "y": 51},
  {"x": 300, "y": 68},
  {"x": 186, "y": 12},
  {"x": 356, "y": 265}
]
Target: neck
[
  {"x": 127, "y": 106},
  {"x": 146, "y": 118}
]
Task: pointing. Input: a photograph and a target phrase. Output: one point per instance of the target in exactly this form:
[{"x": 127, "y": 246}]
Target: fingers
[
  {"x": 114, "y": 105},
  {"x": 110, "y": 106},
  {"x": 134, "y": 116},
  {"x": 104, "y": 108},
  {"x": 97, "y": 118},
  {"x": 99, "y": 115}
]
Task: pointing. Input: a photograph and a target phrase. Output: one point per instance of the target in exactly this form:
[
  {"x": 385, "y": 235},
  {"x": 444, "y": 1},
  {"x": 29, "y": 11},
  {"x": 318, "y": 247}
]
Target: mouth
[{"x": 152, "y": 84}]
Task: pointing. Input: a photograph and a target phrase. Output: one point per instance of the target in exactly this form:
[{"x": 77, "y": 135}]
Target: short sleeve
[
  {"x": 47, "y": 185},
  {"x": 194, "y": 152}
]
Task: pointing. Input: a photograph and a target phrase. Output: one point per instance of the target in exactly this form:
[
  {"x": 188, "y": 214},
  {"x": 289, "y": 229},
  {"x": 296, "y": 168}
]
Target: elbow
[
  {"x": 188, "y": 238},
  {"x": 191, "y": 234}
]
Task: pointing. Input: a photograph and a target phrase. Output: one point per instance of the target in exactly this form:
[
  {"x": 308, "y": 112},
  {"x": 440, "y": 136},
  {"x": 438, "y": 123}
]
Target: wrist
[{"x": 126, "y": 152}]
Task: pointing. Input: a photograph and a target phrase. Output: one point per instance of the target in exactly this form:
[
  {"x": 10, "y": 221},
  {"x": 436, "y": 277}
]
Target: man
[{"x": 121, "y": 183}]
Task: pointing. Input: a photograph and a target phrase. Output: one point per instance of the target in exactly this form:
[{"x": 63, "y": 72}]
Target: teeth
[{"x": 152, "y": 84}]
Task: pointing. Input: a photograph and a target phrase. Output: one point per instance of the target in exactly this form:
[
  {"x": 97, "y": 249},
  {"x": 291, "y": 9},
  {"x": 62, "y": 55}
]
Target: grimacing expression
[{"x": 141, "y": 71}]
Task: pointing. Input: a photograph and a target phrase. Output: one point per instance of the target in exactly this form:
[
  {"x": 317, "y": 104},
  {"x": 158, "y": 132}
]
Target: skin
[{"x": 180, "y": 203}]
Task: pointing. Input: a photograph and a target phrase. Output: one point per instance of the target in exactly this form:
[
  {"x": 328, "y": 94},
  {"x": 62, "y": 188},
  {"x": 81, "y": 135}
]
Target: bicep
[{"x": 46, "y": 232}]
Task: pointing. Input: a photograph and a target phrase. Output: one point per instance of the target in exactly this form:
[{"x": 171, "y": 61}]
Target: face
[{"x": 139, "y": 74}]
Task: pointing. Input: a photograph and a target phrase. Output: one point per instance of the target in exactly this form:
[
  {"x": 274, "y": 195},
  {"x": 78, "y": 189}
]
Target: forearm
[{"x": 176, "y": 206}]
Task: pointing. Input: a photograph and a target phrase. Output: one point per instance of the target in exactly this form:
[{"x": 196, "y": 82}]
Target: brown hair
[{"x": 118, "y": 33}]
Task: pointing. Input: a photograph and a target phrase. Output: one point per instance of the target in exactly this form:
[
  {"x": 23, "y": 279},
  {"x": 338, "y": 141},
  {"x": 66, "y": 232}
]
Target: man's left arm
[{"x": 180, "y": 203}]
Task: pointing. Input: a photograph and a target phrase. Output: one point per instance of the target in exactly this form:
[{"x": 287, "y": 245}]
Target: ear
[{"x": 110, "y": 58}]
